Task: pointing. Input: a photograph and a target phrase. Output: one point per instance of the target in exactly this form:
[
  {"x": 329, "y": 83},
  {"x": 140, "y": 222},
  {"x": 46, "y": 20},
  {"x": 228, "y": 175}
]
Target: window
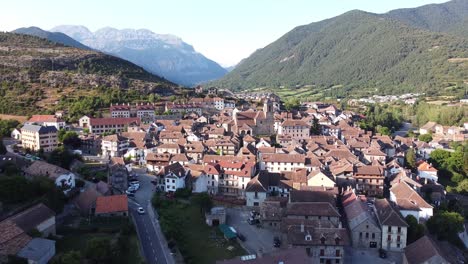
[
  {"x": 337, "y": 261},
  {"x": 373, "y": 235},
  {"x": 337, "y": 253},
  {"x": 389, "y": 237},
  {"x": 322, "y": 252},
  {"x": 367, "y": 235},
  {"x": 398, "y": 245},
  {"x": 399, "y": 229},
  {"x": 360, "y": 234},
  {"x": 389, "y": 229},
  {"x": 398, "y": 238},
  {"x": 322, "y": 261},
  {"x": 173, "y": 181}
]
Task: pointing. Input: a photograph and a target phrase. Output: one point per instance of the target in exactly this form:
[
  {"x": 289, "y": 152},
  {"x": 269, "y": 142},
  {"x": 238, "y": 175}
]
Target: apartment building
[
  {"x": 392, "y": 224},
  {"x": 99, "y": 126},
  {"x": 298, "y": 129},
  {"x": 278, "y": 162},
  {"x": 35, "y": 137}
]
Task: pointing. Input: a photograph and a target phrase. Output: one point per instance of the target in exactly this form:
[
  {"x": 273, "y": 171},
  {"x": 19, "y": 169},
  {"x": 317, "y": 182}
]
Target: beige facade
[{"x": 36, "y": 137}]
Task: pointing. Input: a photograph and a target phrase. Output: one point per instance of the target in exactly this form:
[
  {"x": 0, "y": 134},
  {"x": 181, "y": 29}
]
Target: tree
[
  {"x": 203, "y": 200},
  {"x": 315, "y": 129},
  {"x": 415, "y": 230},
  {"x": 439, "y": 158},
  {"x": 71, "y": 257},
  {"x": 425, "y": 137},
  {"x": 71, "y": 139},
  {"x": 445, "y": 225},
  {"x": 410, "y": 158},
  {"x": 3, "y": 149},
  {"x": 99, "y": 250},
  {"x": 383, "y": 130},
  {"x": 7, "y": 126},
  {"x": 292, "y": 104}
]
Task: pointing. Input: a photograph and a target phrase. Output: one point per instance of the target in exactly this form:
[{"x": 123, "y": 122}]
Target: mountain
[
  {"x": 356, "y": 51},
  {"x": 52, "y": 36},
  {"x": 164, "y": 55},
  {"x": 37, "y": 75},
  {"x": 230, "y": 68},
  {"x": 450, "y": 17}
]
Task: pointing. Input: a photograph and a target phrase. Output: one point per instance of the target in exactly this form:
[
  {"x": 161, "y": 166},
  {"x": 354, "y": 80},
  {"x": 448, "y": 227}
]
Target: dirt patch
[{"x": 20, "y": 119}]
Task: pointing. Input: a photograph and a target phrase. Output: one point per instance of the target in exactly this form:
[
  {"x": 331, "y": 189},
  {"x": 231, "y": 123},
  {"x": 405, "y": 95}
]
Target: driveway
[
  {"x": 355, "y": 256},
  {"x": 256, "y": 238}
]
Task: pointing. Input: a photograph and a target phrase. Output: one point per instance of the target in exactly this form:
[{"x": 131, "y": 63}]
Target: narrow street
[{"x": 152, "y": 241}]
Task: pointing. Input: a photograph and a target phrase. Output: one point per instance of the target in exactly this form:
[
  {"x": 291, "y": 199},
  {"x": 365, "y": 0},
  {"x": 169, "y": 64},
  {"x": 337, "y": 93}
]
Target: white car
[{"x": 140, "y": 210}]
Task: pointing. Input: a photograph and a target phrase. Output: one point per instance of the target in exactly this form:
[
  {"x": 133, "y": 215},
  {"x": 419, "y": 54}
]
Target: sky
[{"x": 225, "y": 31}]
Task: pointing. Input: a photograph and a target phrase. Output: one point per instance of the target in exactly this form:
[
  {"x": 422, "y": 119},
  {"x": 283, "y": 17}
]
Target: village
[{"x": 307, "y": 184}]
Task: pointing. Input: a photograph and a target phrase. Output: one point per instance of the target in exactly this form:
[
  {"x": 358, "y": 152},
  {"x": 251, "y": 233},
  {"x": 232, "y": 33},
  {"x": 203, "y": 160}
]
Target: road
[
  {"x": 9, "y": 142},
  {"x": 152, "y": 241},
  {"x": 403, "y": 130}
]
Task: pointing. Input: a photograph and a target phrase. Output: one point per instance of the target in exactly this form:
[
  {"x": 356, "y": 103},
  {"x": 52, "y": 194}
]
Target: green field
[{"x": 198, "y": 242}]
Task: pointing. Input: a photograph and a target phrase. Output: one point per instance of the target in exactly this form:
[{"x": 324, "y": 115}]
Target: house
[
  {"x": 117, "y": 174},
  {"x": 47, "y": 120},
  {"x": 424, "y": 251},
  {"x": 392, "y": 224},
  {"x": 373, "y": 154},
  {"x": 120, "y": 111},
  {"x": 409, "y": 202},
  {"x": 174, "y": 176},
  {"x": 369, "y": 179},
  {"x": 235, "y": 176},
  {"x": 298, "y": 129},
  {"x": 36, "y": 137},
  {"x": 38, "y": 251},
  {"x": 322, "y": 243},
  {"x": 428, "y": 128},
  {"x": 12, "y": 240},
  {"x": 283, "y": 256},
  {"x": 63, "y": 178},
  {"x": 364, "y": 228},
  {"x": 114, "y": 146},
  {"x": 199, "y": 181},
  {"x": 317, "y": 178},
  {"x": 428, "y": 172},
  {"x": 114, "y": 205},
  {"x": 157, "y": 162},
  {"x": 255, "y": 192},
  {"x": 86, "y": 201},
  {"x": 39, "y": 217},
  {"x": 99, "y": 126},
  {"x": 281, "y": 162}
]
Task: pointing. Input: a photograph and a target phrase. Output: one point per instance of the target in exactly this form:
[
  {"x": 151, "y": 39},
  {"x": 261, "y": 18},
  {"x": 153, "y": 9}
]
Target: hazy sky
[{"x": 223, "y": 30}]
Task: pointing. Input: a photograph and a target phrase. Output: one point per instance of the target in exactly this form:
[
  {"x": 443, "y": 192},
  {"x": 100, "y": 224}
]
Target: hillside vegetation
[
  {"x": 37, "y": 75},
  {"x": 357, "y": 51}
]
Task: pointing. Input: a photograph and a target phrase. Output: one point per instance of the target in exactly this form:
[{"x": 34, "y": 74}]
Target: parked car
[
  {"x": 132, "y": 189},
  {"x": 129, "y": 193},
  {"x": 382, "y": 253},
  {"x": 253, "y": 221},
  {"x": 154, "y": 182},
  {"x": 276, "y": 242},
  {"x": 140, "y": 210}
]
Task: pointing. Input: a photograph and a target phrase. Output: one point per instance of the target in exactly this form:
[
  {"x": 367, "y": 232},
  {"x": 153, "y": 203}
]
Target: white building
[
  {"x": 281, "y": 162},
  {"x": 393, "y": 226}
]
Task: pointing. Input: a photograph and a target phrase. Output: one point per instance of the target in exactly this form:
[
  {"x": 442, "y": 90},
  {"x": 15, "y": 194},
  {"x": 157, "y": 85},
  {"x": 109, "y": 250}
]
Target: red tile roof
[{"x": 112, "y": 204}]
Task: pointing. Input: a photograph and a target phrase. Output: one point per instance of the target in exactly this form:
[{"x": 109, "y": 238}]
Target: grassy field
[{"x": 198, "y": 242}]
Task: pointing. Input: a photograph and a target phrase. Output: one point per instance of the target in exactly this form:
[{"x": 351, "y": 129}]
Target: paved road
[
  {"x": 403, "y": 130},
  {"x": 152, "y": 241}
]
